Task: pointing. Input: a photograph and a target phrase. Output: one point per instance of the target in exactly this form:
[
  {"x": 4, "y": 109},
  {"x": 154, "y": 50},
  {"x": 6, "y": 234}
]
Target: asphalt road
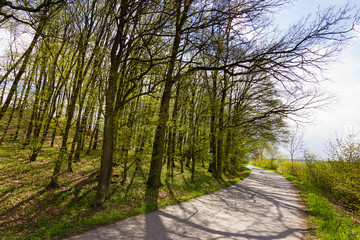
[{"x": 265, "y": 205}]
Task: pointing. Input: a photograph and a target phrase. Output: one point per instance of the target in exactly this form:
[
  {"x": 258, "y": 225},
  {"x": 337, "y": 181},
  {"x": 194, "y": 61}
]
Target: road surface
[{"x": 263, "y": 206}]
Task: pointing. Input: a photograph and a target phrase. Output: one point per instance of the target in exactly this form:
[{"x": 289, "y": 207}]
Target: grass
[
  {"x": 30, "y": 211},
  {"x": 326, "y": 222}
]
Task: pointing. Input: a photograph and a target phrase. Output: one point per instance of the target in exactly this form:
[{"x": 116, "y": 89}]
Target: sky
[{"x": 342, "y": 117}]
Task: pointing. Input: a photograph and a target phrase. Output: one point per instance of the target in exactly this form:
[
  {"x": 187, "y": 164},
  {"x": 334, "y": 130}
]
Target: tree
[
  {"x": 295, "y": 143},
  {"x": 25, "y": 60},
  {"x": 131, "y": 59},
  {"x": 85, "y": 53},
  {"x": 154, "y": 181},
  {"x": 345, "y": 150}
]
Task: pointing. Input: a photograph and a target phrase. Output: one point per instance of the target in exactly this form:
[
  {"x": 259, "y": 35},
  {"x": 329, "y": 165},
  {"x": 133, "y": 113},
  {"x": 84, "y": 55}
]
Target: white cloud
[{"x": 343, "y": 115}]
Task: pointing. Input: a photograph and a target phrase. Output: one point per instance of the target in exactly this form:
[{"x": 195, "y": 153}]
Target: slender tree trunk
[
  {"x": 229, "y": 137},
  {"x": 106, "y": 163},
  {"x": 168, "y": 162},
  {"x": 192, "y": 137},
  {"x": 180, "y": 143},
  {"x": 3, "y": 93},
  {"x": 220, "y": 146},
  {"x": 130, "y": 125},
  {"x": 69, "y": 116},
  {"x": 74, "y": 142},
  {"x": 18, "y": 76},
  {"x": 172, "y": 135},
  {"x": 21, "y": 108},
  {"x": 9, "y": 121},
  {"x": 96, "y": 130},
  {"x": 89, "y": 132},
  {"x": 58, "y": 115},
  {"x": 33, "y": 113},
  {"x": 213, "y": 128},
  {"x": 82, "y": 132}
]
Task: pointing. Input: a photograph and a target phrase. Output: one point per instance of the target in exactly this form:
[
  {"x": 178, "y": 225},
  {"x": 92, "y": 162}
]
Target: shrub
[
  {"x": 265, "y": 163},
  {"x": 337, "y": 180},
  {"x": 293, "y": 168}
]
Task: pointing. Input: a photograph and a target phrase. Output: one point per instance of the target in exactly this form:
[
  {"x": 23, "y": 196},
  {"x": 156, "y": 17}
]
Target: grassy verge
[
  {"x": 29, "y": 211},
  {"x": 326, "y": 222}
]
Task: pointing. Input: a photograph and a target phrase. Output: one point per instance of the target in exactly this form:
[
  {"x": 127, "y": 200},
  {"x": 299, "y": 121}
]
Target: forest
[{"x": 102, "y": 100}]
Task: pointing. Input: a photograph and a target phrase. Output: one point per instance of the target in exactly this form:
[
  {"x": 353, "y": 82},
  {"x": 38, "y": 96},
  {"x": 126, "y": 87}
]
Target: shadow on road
[{"x": 263, "y": 206}]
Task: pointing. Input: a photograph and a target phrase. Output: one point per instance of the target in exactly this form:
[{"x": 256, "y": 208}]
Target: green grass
[
  {"x": 30, "y": 211},
  {"x": 326, "y": 222}
]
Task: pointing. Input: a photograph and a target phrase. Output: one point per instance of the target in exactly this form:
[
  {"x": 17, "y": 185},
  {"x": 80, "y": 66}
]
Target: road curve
[{"x": 263, "y": 206}]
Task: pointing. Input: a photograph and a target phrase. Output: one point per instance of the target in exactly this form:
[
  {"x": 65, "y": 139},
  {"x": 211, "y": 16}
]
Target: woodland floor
[{"x": 29, "y": 210}]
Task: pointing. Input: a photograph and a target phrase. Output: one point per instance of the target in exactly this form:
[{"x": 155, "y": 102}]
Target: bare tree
[{"x": 295, "y": 144}]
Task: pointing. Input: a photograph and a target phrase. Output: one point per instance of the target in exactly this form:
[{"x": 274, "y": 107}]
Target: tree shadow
[
  {"x": 154, "y": 228},
  {"x": 39, "y": 202},
  {"x": 171, "y": 193}
]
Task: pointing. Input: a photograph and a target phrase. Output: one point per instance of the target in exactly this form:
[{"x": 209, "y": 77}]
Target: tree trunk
[
  {"x": 106, "y": 163},
  {"x": 96, "y": 133},
  {"x": 74, "y": 142},
  {"x": 213, "y": 133},
  {"x": 154, "y": 180},
  {"x": 33, "y": 113},
  {"x": 36, "y": 149},
  {"x": 172, "y": 134},
  {"x": 9, "y": 121},
  {"x": 118, "y": 52},
  {"x": 69, "y": 116},
  {"x": 18, "y": 76},
  {"x": 220, "y": 147}
]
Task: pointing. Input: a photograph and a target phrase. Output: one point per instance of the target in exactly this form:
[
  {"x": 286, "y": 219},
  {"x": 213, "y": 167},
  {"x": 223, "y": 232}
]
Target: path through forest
[{"x": 265, "y": 205}]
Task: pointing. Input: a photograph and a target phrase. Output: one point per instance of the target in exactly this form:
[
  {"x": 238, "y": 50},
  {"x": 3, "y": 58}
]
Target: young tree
[
  {"x": 91, "y": 28},
  {"x": 295, "y": 143},
  {"x": 25, "y": 60}
]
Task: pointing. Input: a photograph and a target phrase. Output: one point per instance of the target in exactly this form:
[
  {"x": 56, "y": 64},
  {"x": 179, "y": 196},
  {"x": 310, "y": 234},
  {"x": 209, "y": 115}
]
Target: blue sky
[{"x": 343, "y": 116}]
